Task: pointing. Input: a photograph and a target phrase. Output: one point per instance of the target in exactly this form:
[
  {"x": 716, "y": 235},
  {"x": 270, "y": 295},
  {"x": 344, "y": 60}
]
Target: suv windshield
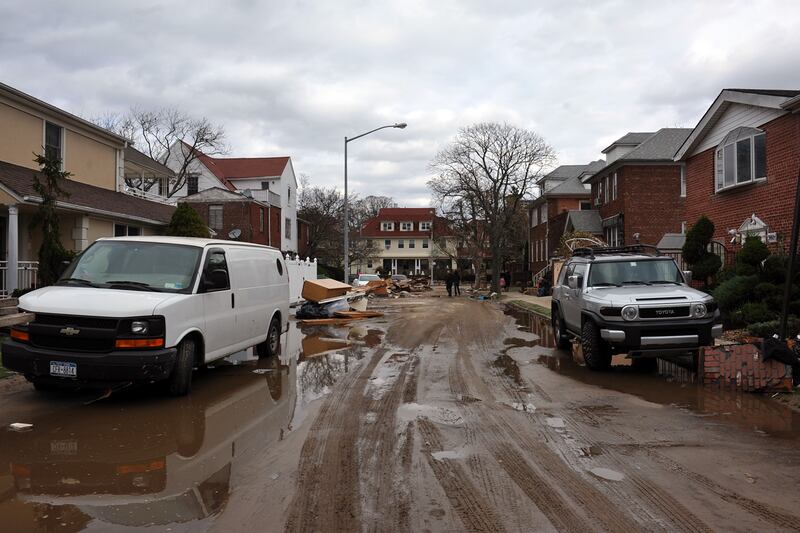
[
  {"x": 640, "y": 272},
  {"x": 135, "y": 265}
]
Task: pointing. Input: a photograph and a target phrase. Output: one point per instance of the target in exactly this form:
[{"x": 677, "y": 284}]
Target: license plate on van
[{"x": 64, "y": 370}]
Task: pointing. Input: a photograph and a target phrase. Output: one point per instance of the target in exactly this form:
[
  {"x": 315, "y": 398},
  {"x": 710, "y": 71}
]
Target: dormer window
[
  {"x": 740, "y": 158},
  {"x": 406, "y": 226},
  {"x": 387, "y": 226},
  {"x": 424, "y": 226}
]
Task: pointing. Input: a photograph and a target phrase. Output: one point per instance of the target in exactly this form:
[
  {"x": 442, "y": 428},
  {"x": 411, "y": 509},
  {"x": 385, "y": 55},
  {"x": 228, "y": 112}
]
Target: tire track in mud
[
  {"x": 468, "y": 503},
  {"x": 327, "y": 488},
  {"x": 556, "y": 506},
  {"x": 385, "y": 495},
  {"x": 765, "y": 511}
]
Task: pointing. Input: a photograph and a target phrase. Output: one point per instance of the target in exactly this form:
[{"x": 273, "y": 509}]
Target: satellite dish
[{"x": 235, "y": 234}]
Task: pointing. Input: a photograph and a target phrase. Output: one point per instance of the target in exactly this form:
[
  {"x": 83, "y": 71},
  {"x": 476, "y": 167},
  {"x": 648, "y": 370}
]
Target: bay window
[{"x": 741, "y": 158}]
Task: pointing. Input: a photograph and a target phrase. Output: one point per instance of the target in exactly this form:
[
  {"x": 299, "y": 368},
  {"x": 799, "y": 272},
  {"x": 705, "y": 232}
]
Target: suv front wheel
[{"x": 596, "y": 351}]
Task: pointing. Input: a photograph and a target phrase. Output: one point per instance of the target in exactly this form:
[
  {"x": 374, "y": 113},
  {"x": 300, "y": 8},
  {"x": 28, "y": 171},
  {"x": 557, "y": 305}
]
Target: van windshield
[
  {"x": 132, "y": 265},
  {"x": 647, "y": 272}
]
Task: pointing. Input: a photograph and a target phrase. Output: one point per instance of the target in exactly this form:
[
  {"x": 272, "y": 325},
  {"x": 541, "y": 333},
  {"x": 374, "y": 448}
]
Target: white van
[{"x": 135, "y": 309}]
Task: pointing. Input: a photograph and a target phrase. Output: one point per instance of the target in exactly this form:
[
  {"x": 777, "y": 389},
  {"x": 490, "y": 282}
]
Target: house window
[
  {"x": 288, "y": 228},
  {"x": 683, "y": 227},
  {"x": 424, "y": 226},
  {"x": 599, "y": 192},
  {"x": 369, "y": 263},
  {"x": 288, "y": 197},
  {"x": 261, "y": 219},
  {"x": 264, "y": 185},
  {"x": 412, "y": 243},
  {"x": 387, "y": 244},
  {"x": 121, "y": 230},
  {"x": 542, "y": 214},
  {"x": 586, "y": 206},
  {"x": 191, "y": 184},
  {"x": 53, "y": 137},
  {"x": 614, "y": 187},
  {"x": 424, "y": 243},
  {"x": 605, "y": 190},
  {"x": 215, "y": 217},
  {"x": 387, "y": 226},
  {"x": 401, "y": 243},
  {"x": 683, "y": 181},
  {"x": 740, "y": 158},
  {"x": 406, "y": 226}
]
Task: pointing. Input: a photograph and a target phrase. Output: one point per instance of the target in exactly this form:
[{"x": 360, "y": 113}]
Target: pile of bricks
[{"x": 742, "y": 367}]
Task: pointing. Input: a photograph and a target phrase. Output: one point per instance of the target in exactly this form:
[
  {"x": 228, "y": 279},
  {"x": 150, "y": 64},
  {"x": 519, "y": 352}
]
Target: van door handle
[{"x": 233, "y": 300}]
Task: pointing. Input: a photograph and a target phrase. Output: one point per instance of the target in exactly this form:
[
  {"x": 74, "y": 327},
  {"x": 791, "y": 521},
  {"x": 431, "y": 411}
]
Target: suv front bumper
[
  {"x": 653, "y": 335},
  {"x": 92, "y": 368}
]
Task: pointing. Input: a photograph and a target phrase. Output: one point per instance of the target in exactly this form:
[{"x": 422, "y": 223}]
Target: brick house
[
  {"x": 742, "y": 164},
  {"x": 225, "y": 211},
  {"x": 562, "y": 191},
  {"x": 639, "y": 193},
  {"x": 409, "y": 240}
]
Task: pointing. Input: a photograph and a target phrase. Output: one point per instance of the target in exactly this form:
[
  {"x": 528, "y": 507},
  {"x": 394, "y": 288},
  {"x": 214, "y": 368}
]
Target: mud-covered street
[{"x": 443, "y": 415}]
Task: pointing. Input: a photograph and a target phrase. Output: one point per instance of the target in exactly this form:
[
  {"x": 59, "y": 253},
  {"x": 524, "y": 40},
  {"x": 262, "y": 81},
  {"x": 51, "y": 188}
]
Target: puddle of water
[
  {"x": 556, "y": 422},
  {"x": 509, "y": 367},
  {"x": 592, "y": 451},
  {"x": 672, "y": 382},
  {"x": 607, "y": 474}
]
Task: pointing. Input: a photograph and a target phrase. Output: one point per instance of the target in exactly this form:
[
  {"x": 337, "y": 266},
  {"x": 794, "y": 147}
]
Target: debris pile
[
  {"x": 396, "y": 287},
  {"x": 332, "y": 302}
]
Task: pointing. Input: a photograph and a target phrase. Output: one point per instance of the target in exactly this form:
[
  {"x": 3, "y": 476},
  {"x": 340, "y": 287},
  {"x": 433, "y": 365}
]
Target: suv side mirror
[
  {"x": 575, "y": 282},
  {"x": 687, "y": 275}
]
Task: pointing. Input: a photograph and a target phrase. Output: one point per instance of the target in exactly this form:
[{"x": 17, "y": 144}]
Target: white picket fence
[{"x": 299, "y": 270}]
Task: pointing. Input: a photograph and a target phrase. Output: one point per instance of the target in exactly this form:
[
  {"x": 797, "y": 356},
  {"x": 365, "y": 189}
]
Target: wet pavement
[{"x": 444, "y": 415}]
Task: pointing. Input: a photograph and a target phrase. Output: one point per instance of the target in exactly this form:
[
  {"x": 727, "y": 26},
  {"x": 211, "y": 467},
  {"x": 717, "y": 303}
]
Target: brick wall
[
  {"x": 771, "y": 200},
  {"x": 536, "y": 234},
  {"x": 246, "y": 217},
  {"x": 652, "y": 202},
  {"x": 741, "y": 367},
  {"x": 556, "y": 206}
]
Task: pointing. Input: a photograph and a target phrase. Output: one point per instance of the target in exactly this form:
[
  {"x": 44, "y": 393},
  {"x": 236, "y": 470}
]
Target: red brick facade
[
  {"x": 742, "y": 367},
  {"x": 648, "y": 200},
  {"x": 246, "y": 216},
  {"x": 547, "y": 235},
  {"x": 771, "y": 200}
]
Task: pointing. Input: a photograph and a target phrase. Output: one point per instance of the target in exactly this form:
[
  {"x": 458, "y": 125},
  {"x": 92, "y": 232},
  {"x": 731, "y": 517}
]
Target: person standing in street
[
  {"x": 448, "y": 282},
  {"x": 456, "y": 283}
]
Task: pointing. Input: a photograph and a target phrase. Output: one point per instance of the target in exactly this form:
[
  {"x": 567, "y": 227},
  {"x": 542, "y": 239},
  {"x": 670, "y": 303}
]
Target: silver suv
[{"x": 624, "y": 300}]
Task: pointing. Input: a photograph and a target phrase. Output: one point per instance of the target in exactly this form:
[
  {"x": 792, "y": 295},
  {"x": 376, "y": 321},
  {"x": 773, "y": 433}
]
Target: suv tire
[
  {"x": 180, "y": 380},
  {"x": 559, "y": 333},
  {"x": 596, "y": 352}
]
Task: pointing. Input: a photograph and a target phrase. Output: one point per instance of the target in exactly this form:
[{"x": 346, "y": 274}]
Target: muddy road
[{"x": 443, "y": 415}]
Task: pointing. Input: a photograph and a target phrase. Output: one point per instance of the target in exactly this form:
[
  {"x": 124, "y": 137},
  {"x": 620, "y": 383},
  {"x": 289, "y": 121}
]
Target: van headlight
[
  {"x": 140, "y": 327},
  {"x": 630, "y": 312},
  {"x": 698, "y": 310}
]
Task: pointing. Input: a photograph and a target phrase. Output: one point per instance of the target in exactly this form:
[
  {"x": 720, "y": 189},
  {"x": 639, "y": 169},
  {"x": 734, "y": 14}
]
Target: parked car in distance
[
  {"x": 145, "y": 309},
  {"x": 364, "y": 279},
  {"x": 399, "y": 277},
  {"x": 624, "y": 300}
]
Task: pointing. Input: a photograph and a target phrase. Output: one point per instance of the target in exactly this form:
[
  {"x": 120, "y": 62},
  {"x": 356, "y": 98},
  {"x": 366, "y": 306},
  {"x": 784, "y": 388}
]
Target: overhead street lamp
[{"x": 399, "y": 125}]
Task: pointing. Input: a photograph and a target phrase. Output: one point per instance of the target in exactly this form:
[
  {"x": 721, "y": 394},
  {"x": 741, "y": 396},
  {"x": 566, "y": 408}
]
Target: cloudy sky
[{"x": 293, "y": 78}]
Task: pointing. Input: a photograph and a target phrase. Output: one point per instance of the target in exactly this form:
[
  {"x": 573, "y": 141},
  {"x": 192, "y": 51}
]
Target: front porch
[{"x": 27, "y": 277}]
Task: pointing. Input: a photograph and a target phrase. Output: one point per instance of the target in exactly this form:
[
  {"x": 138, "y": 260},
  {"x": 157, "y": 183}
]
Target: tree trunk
[{"x": 496, "y": 264}]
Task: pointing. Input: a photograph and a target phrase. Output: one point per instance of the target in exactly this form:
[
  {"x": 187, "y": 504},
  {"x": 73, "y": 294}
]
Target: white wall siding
[
  {"x": 617, "y": 152},
  {"x": 734, "y": 116}
]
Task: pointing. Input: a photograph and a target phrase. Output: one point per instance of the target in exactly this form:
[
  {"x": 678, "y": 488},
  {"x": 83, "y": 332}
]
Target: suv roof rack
[{"x": 591, "y": 252}]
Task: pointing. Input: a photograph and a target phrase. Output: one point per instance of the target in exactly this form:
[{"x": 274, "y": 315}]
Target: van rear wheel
[
  {"x": 272, "y": 344},
  {"x": 180, "y": 381}
]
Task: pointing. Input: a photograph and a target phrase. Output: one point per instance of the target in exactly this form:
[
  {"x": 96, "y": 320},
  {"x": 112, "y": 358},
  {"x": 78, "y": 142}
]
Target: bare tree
[
  {"x": 171, "y": 137},
  {"x": 491, "y": 167}
]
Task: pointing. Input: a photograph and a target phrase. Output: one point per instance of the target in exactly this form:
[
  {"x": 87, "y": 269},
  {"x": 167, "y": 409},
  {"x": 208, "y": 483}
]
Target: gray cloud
[{"x": 294, "y": 78}]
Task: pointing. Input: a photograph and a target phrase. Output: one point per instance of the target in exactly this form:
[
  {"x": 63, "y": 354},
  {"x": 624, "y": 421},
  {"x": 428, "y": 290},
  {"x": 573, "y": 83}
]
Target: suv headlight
[
  {"x": 698, "y": 310},
  {"x": 630, "y": 312}
]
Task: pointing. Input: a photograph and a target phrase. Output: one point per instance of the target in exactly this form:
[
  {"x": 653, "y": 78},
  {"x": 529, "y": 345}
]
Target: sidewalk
[{"x": 536, "y": 304}]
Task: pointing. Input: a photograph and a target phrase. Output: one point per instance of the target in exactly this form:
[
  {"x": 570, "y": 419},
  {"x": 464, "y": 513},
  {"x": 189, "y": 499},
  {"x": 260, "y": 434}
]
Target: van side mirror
[
  {"x": 62, "y": 267},
  {"x": 215, "y": 280},
  {"x": 687, "y": 275},
  {"x": 575, "y": 282}
]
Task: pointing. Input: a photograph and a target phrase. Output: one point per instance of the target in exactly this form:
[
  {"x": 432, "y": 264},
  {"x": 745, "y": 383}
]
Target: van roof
[{"x": 187, "y": 241}]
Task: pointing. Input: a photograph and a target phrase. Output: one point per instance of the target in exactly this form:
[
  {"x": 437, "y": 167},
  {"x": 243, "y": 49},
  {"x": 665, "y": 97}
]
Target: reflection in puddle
[{"x": 670, "y": 382}]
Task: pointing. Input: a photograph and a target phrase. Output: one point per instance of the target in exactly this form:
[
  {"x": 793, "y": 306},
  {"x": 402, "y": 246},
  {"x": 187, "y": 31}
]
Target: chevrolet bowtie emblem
[{"x": 69, "y": 331}]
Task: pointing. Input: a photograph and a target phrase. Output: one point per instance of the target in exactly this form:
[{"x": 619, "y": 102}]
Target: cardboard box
[{"x": 322, "y": 289}]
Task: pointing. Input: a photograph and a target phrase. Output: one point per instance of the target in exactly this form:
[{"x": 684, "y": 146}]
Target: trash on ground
[
  {"x": 316, "y": 290},
  {"x": 20, "y": 426}
]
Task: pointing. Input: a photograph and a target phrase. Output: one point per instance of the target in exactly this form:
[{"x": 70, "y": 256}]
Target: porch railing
[{"x": 27, "y": 276}]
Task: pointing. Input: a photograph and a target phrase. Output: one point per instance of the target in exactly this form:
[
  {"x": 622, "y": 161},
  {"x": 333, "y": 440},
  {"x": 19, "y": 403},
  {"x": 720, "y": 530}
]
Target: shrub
[
  {"x": 186, "y": 222},
  {"x": 702, "y": 263},
  {"x": 734, "y": 292},
  {"x": 774, "y": 269},
  {"x": 769, "y": 328},
  {"x": 753, "y": 313},
  {"x": 765, "y": 290},
  {"x": 753, "y": 252}
]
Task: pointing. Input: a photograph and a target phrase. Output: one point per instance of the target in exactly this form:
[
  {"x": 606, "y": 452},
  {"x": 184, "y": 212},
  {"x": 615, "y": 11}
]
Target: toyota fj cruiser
[{"x": 625, "y": 300}]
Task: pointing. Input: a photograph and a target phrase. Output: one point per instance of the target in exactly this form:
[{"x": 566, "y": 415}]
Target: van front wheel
[{"x": 180, "y": 381}]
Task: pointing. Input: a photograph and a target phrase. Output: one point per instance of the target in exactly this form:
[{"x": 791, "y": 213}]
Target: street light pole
[{"x": 399, "y": 125}]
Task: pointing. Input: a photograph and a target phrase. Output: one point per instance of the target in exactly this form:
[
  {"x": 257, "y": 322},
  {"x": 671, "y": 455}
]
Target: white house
[{"x": 267, "y": 179}]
